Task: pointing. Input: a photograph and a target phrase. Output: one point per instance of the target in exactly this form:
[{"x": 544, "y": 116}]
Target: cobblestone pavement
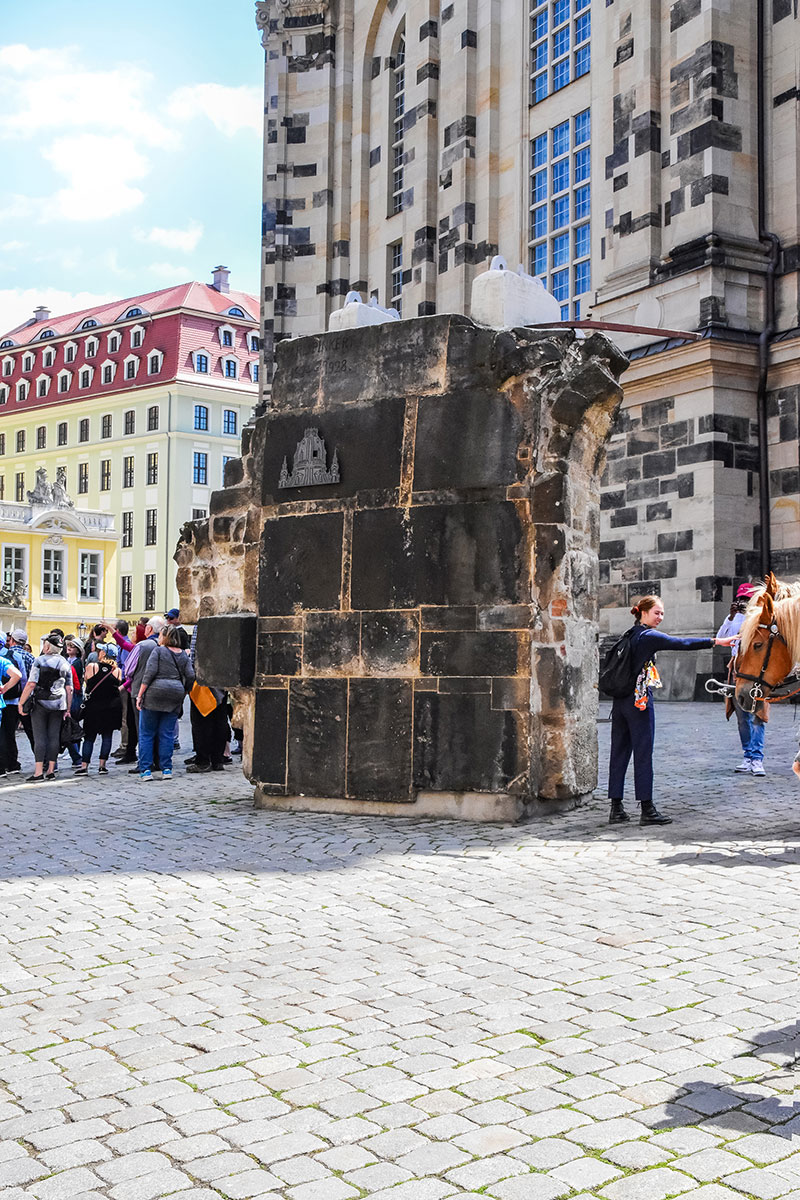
[{"x": 200, "y": 999}]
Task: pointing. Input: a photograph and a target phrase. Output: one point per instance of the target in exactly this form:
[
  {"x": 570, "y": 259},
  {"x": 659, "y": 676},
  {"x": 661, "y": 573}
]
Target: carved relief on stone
[
  {"x": 310, "y": 465},
  {"x": 268, "y": 11}
]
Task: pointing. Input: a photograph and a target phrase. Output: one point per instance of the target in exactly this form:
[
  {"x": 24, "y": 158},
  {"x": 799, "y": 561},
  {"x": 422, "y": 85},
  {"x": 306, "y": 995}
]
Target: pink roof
[{"x": 199, "y": 296}]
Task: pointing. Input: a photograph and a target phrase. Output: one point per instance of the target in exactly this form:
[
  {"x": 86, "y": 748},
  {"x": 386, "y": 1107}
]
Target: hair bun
[{"x": 635, "y": 610}]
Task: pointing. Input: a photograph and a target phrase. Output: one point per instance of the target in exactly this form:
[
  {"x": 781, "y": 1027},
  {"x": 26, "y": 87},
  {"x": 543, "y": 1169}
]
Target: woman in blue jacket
[{"x": 633, "y": 723}]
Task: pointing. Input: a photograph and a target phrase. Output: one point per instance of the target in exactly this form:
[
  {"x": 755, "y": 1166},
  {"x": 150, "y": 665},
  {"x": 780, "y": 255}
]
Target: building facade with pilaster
[{"x": 642, "y": 160}]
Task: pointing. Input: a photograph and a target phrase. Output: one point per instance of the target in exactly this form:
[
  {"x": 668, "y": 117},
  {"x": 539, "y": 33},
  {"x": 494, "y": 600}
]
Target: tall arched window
[{"x": 398, "y": 108}]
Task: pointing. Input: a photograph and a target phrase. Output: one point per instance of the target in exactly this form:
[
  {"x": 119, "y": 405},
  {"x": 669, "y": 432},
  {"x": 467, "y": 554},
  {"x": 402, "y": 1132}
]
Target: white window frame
[
  {"x": 4, "y": 393},
  {"x": 70, "y": 346},
  {"x": 114, "y": 341},
  {"x": 137, "y": 329},
  {"x": 28, "y": 362},
  {"x": 8, "y": 365},
  {"x": 131, "y": 358},
  {"x": 49, "y": 357},
  {"x": 22, "y": 391},
  {"x": 224, "y": 358},
  {"x": 25, "y": 563},
  {"x": 62, "y": 553},
  {"x": 209, "y": 356},
  {"x": 91, "y": 376},
  {"x": 231, "y": 329},
  {"x": 254, "y": 337},
  {"x": 47, "y": 379},
  {"x": 60, "y": 376},
  {"x": 253, "y": 366},
  {"x": 83, "y": 551},
  {"x": 159, "y": 354},
  {"x": 109, "y": 362},
  {"x": 91, "y": 346}
]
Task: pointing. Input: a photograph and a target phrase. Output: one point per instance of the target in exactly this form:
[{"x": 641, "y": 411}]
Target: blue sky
[{"x": 130, "y": 142}]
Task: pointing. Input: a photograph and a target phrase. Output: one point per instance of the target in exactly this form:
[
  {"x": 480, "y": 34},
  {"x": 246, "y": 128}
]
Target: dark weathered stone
[
  {"x": 380, "y": 728},
  {"x": 226, "y": 650}
]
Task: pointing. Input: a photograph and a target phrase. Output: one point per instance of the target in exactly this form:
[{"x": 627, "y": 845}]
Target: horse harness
[{"x": 757, "y": 692}]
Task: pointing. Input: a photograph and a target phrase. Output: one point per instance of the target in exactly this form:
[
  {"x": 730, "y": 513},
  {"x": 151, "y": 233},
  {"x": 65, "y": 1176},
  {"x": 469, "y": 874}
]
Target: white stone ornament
[
  {"x": 506, "y": 299},
  {"x": 355, "y": 314}
]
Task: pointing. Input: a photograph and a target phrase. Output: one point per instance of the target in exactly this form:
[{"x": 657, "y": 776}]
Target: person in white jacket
[{"x": 751, "y": 728}]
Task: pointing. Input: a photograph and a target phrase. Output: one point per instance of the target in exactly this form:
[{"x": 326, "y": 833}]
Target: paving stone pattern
[{"x": 198, "y": 998}]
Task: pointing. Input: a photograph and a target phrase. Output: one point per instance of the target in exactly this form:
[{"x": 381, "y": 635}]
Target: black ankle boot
[
  {"x": 651, "y": 815},
  {"x": 617, "y": 816}
]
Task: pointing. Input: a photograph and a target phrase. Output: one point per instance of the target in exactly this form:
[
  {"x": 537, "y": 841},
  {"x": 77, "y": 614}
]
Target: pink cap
[{"x": 745, "y": 589}]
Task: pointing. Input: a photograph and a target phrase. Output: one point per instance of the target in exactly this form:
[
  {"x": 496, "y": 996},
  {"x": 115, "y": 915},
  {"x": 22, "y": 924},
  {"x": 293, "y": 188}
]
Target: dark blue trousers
[{"x": 632, "y": 733}]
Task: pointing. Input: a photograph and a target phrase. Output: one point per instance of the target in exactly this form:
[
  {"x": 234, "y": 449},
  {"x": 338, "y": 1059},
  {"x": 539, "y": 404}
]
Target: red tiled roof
[{"x": 199, "y": 296}]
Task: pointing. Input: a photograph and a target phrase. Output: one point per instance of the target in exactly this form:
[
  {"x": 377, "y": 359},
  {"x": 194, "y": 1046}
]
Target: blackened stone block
[
  {"x": 643, "y": 441},
  {"x": 466, "y": 441},
  {"x": 485, "y": 653},
  {"x": 559, "y": 681},
  {"x": 656, "y": 412},
  {"x": 301, "y": 563},
  {"x": 367, "y": 441},
  {"x": 389, "y": 642},
  {"x": 462, "y": 745},
  {"x": 656, "y": 465},
  {"x": 659, "y": 512},
  {"x": 279, "y": 653},
  {"x": 615, "y": 549},
  {"x": 706, "y": 452},
  {"x": 269, "y": 735},
  {"x": 226, "y": 650},
  {"x": 506, "y": 616},
  {"x": 436, "y": 555},
  {"x": 317, "y": 735},
  {"x": 331, "y": 643},
  {"x": 380, "y": 739},
  {"x": 463, "y": 685},
  {"x": 623, "y": 517}
]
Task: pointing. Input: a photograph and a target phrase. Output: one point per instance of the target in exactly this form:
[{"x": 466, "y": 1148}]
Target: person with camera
[
  {"x": 49, "y": 688},
  {"x": 102, "y": 706}
]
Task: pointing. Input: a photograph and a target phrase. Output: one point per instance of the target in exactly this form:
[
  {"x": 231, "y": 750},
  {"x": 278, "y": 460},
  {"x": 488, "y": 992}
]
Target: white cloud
[
  {"x": 168, "y": 271},
  {"x": 99, "y": 171},
  {"x": 17, "y": 304},
  {"x": 228, "y": 108},
  {"x": 185, "y": 240},
  {"x": 43, "y": 90},
  {"x": 13, "y": 245}
]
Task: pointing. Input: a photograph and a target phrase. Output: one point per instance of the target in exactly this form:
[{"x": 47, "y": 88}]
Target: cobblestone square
[{"x": 199, "y": 998}]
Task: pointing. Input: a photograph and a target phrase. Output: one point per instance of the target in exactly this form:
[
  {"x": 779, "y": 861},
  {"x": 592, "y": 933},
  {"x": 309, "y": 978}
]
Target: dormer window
[
  {"x": 200, "y": 361},
  {"x": 47, "y": 333},
  {"x": 109, "y": 370},
  {"x": 3, "y": 395},
  {"x": 254, "y": 372},
  {"x": 48, "y": 358},
  {"x": 235, "y": 312},
  {"x": 230, "y": 368},
  {"x": 131, "y": 366},
  {"x": 27, "y": 362},
  {"x": 70, "y": 350},
  {"x": 85, "y": 377},
  {"x": 255, "y": 343},
  {"x": 90, "y": 324},
  {"x": 137, "y": 336},
  {"x": 6, "y": 343},
  {"x": 133, "y": 312},
  {"x": 114, "y": 342},
  {"x": 8, "y": 365},
  {"x": 64, "y": 381},
  {"x": 42, "y": 385},
  {"x": 227, "y": 335},
  {"x": 154, "y": 362},
  {"x": 22, "y": 392}
]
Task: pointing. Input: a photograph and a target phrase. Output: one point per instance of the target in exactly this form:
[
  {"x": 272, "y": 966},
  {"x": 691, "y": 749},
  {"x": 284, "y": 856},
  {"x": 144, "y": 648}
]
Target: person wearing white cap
[{"x": 751, "y": 728}]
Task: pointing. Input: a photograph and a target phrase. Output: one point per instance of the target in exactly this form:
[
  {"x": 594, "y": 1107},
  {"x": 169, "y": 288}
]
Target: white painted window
[
  {"x": 108, "y": 370},
  {"x": 27, "y": 362},
  {"x": 92, "y": 346},
  {"x": 227, "y": 335},
  {"x": 8, "y": 365},
  {"x": 53, "y": 571},
  {"x": 90, "y": 564},
  {"x": 70, "y": 350},
  {"x": 42, "y": 385},
  {"x": 137, "y": 336},
  {"x": 15, "y": 566},
  {"x": 131, "y": 366},
  {"x": 64, "y": 381}
]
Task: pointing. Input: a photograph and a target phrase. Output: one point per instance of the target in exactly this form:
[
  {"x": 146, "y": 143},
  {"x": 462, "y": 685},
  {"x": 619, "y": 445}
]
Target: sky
[{"x": 130, "y": 149}]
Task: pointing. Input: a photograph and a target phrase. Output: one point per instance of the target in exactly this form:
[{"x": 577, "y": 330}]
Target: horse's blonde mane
[{"x": 786, "y": 603}]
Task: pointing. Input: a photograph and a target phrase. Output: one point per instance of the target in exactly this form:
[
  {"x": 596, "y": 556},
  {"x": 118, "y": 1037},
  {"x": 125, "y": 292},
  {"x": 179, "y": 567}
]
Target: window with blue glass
[
  {"x": 560, "y": 11},
  {"x": 583, "y": 60},
  {"x": 560, "y": 227},
  {"x": 561, "y": 42},
  {"x": 583, "y": 27},
  {"x": 560, "y": 32}
]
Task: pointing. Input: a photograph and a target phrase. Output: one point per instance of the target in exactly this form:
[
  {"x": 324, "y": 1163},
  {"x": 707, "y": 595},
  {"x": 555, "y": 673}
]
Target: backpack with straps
[
  {"x": 15, "y": 692},
  {"x": 618, "y": 672}
]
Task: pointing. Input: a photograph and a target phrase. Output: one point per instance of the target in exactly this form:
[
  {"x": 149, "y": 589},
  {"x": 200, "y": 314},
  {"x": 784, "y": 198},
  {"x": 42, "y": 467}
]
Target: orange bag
[{"x": 202, "y": 698}]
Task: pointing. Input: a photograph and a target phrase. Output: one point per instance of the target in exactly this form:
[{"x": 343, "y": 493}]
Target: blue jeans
[
  {"x": 157, "y": 727},
  {"x": 751, "y": 735},
  {"x": 88, "y": 747}
]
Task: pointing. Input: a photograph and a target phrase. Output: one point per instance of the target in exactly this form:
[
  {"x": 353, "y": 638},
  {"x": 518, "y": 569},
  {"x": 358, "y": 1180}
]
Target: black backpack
[
  {"x": 14, "y": 693},
  {"x": 618, "y": 672},
  {"x": 44, "y": 685}
]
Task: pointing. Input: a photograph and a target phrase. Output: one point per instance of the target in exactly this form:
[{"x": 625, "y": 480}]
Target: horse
[{"x": 769, "y": 646}]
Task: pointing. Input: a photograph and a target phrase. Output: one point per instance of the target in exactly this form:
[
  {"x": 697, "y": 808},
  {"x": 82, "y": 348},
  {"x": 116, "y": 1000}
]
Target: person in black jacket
[{"x": 633, "y": 724}]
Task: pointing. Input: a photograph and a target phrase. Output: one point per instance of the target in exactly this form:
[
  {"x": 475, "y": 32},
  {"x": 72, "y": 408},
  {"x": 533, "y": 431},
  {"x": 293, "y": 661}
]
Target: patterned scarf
[{"x": 648, "y": 678}]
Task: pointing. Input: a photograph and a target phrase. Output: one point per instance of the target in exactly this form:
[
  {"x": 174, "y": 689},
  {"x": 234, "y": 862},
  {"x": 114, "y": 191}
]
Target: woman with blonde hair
[{"x": 633, "y": 724}]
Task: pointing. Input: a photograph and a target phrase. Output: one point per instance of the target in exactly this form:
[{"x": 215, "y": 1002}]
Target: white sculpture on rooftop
[
  {"x": 356, "y": 313},
  {"x": 506, "y": 299}
]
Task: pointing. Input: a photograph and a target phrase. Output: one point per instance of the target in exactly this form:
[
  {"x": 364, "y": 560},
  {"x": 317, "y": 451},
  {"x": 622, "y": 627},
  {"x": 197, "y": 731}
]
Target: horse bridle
[{"x": 757, "y": 692}]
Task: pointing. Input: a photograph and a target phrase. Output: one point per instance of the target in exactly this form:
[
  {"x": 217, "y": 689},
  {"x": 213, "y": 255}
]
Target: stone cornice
[{"x": 271, "y": 14}]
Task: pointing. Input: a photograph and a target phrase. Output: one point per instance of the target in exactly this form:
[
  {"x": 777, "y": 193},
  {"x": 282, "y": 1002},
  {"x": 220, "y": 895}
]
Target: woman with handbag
[
  {"x": 102, "y": 706},
  {"x": 168, "y": 676},
  {"x": 49, "y": 690},
  {"x": 73, "y": 652}
]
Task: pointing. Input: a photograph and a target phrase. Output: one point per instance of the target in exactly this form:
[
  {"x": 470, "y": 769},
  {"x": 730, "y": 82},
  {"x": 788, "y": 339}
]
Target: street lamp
[{"x": 82, "y": 627}]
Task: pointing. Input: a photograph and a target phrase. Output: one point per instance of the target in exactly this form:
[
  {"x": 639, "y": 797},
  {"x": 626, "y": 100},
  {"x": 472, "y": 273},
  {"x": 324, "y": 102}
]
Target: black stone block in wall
[
  {"x": 641, "y": 489},
  {"x": 612, "y": 500},
  {"x": 226, "y": 650},
  {"x": 623, "y": 517},
  {"x": 643, "y": 441},
  {"x": 380, "y": 739},
  {"x": 675, "y": 433},
  {"x": 435, "y": 555},
  {"x": 612, "y": 549},
  {"x": 466, "y": 441},
  {"x": 493, "y": 652},
  {"x": 301, "y": 563},
  {"x": 745, "y": 458},
  {"x": 656, "y": 412},
  {"x": 462, "y": 745},
  {"x": 706, "y": 452},
  {"x": 279, "y": 654},
  {"x": 317, "y": 727},
  {"x": 331, "y": 641},
  {"x": 367, "y": 440},
  {"x": 389, "y": 641},
  {"x": 656, "y": 465},
  {"x": 269, "y": 736},
  {"x": 665, "y": 568},
  {"x": 659, "y": 512}
]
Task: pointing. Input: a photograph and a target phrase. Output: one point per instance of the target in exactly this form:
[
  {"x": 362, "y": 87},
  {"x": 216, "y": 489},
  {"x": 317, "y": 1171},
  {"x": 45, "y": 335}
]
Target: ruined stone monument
[{"x": 398, "y": 581}]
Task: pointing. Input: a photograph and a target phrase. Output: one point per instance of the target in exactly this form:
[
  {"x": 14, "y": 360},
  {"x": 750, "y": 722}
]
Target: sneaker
[
  {"x": 134, "y": 771},
  {"x": 145, "y": 776},
  {"x": 13, "y": 770},
  {"x": 744, "y": 767},
  {"x": 757, "y": 769},
  {"x": 35, "y": 779},
  {"x": 190, "y": 760},
  {"x": 167, "y": 774},
  {"x": 84, "y": 770},
  {"x": 198, "y": 768},
  {"x": 102, "y": 770}
]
